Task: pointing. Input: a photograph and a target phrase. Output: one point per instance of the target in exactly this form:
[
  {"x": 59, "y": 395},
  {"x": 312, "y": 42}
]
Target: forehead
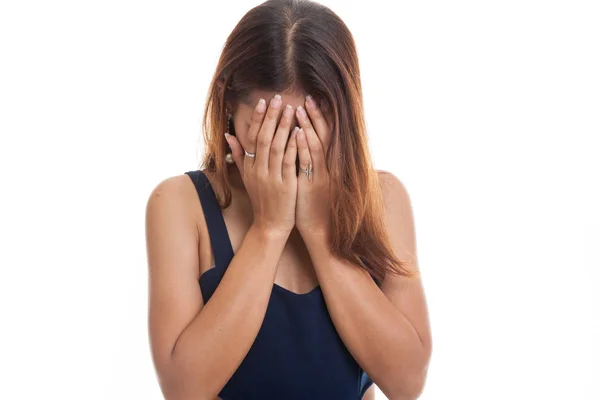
[{"x": 295, "y": 98}]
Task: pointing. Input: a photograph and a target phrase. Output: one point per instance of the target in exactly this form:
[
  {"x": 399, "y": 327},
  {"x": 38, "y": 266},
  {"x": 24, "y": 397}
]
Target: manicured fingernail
[
  {"x": 261, "y": 106},
  {"x": 288, "y": 110},
  {"x": 276, "y": 101},
  {"x": 310, "y": 101},
  {"x": 301, "y": 112},
  {"x": 295, "y": 131}
]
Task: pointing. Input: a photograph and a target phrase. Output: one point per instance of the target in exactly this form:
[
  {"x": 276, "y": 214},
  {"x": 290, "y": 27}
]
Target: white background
[{"x": 487, "y": 111}]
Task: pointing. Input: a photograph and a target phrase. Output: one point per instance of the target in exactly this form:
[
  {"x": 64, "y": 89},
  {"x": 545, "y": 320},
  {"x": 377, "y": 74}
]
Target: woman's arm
[
  {"x": 386, "y": 329},
  {"x": 197, "y": 347}
]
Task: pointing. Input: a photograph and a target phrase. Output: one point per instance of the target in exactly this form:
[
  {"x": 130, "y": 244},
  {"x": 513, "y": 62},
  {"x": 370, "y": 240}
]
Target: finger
[
  {"x": 278, "y": 146},
  {"x": 289, "y": 159},
  {"x": 265, "y": 135},
  {"x": 236, "y": 151},
  {"x": 257, "y": 119},
  {"x": 313, "y": 142},
  {"x": 318, "y": 121},
  {"x": 304, "y": 155}
]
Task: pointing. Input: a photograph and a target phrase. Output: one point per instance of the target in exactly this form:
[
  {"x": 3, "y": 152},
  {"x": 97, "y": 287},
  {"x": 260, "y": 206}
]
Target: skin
[
  {"x": 393, "y": 345},
  {"x": 242, "y": 117}
]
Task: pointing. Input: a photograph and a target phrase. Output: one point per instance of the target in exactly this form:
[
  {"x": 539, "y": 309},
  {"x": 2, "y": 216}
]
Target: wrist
[
  {"x": 314, "y": 237},
  {"x": 270, "y": 233}
]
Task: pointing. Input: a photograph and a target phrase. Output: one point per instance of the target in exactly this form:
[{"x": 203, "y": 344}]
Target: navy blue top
[{"x": 297, "y": 353}]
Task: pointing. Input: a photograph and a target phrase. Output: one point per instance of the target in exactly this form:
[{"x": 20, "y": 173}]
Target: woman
[{"x": 286, "y": 267}]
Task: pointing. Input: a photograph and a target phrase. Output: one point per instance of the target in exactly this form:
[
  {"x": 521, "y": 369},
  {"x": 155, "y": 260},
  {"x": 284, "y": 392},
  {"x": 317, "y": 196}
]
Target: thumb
[{"x": 236, "y": 151}]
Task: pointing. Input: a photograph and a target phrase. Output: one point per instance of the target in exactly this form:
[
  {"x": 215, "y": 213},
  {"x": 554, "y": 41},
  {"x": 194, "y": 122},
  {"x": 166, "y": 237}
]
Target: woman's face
[{"x": 242, "y": 116}]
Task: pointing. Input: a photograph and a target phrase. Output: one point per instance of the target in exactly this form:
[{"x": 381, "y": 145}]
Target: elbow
[
  {"x": 170, "y": 387},
  {"x": 413, "y": 389},
  {"x": 181, "y": 393},
  {"x": 175, "y": 385},
  {"x": 409, "y": 386},
  {"x": 410, "y": 390}
]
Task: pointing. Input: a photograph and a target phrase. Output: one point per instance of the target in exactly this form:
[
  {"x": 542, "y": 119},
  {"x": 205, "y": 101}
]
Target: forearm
[
  {"x": 213, "y": 345},
  {"x": 375, "y": 332}
]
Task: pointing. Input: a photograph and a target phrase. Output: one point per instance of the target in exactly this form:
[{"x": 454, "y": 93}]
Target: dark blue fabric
[{"x": 297, "y": 353}]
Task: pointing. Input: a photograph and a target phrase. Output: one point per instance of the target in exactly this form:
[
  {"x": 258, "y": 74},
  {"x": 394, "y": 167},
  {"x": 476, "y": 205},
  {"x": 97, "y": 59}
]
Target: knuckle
[
  {"x": 275, "y": 152},
  {"x": 272, "y": 113},
  {"x": 257, "y": 116},
  {"x": 263, "y": 140},
  {"x": 284, "y": 123}
]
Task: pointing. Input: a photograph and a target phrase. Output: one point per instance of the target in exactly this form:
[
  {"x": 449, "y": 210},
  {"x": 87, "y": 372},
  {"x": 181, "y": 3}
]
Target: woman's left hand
[{"x": 313, "y": 206}]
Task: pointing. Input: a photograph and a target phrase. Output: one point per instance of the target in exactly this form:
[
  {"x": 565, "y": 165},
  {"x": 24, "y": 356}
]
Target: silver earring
[{"x": 229, "y": 156}]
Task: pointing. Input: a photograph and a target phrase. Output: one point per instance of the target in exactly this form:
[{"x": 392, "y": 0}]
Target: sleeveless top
[{"x": 297, "y": 353}]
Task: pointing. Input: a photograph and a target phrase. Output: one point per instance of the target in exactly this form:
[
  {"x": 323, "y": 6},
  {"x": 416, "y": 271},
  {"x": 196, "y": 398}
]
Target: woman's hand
[
  {"x": 313, "y": 207},
  {"x": 269, "y": 177}
]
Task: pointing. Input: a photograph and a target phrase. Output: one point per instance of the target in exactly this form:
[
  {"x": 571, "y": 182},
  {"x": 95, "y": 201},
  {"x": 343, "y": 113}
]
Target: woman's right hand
[{"x": 269, "y": 177}]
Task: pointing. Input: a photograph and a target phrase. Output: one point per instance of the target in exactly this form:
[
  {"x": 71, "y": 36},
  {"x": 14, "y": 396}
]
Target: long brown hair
[{"x": 283, "y": 45}]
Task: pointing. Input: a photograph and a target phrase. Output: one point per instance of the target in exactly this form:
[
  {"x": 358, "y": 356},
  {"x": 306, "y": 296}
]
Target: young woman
[{"x": 285, "y": 267}]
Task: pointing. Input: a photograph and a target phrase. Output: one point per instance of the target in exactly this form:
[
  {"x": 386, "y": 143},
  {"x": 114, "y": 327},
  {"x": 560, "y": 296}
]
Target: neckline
[
  {"x": 228, "y": 237},
  {"x": 287, "y": 291},
  {"x": 316, "y": 289}
]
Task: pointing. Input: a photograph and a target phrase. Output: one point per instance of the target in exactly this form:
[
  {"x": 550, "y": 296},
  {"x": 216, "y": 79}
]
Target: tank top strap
[{"x": 217, "y": 230}]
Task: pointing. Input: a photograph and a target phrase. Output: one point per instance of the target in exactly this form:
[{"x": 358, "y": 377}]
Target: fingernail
[
  {"x": 301, "y": 112},
  {"x": 227, "y": 135},
  {"x": 310, "y": 101},
  {"x": 296, "y": 129},
  {"x": 276, "y": 101},
  {"x": 261, "y": 106},
  {"x": 288, "y": 110}
]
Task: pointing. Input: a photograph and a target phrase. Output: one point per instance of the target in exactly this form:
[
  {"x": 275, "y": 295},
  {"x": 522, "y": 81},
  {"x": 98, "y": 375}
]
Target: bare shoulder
[
  {"x": 174, "y": 188},
  {"x": 174, "y": 197},
  {"x": 173, "y": 213},
  {"x": 392, "y": 188},
  {"x": 399, "y": 218}
]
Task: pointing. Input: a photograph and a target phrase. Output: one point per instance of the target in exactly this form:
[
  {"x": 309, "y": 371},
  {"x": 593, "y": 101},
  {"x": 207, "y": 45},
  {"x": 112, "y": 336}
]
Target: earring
[{"x": 229, "y": 156}]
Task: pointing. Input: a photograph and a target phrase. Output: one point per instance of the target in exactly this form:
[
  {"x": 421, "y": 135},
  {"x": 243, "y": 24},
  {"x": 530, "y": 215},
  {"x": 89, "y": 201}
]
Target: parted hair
[{"x": 284, "y": 45}]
